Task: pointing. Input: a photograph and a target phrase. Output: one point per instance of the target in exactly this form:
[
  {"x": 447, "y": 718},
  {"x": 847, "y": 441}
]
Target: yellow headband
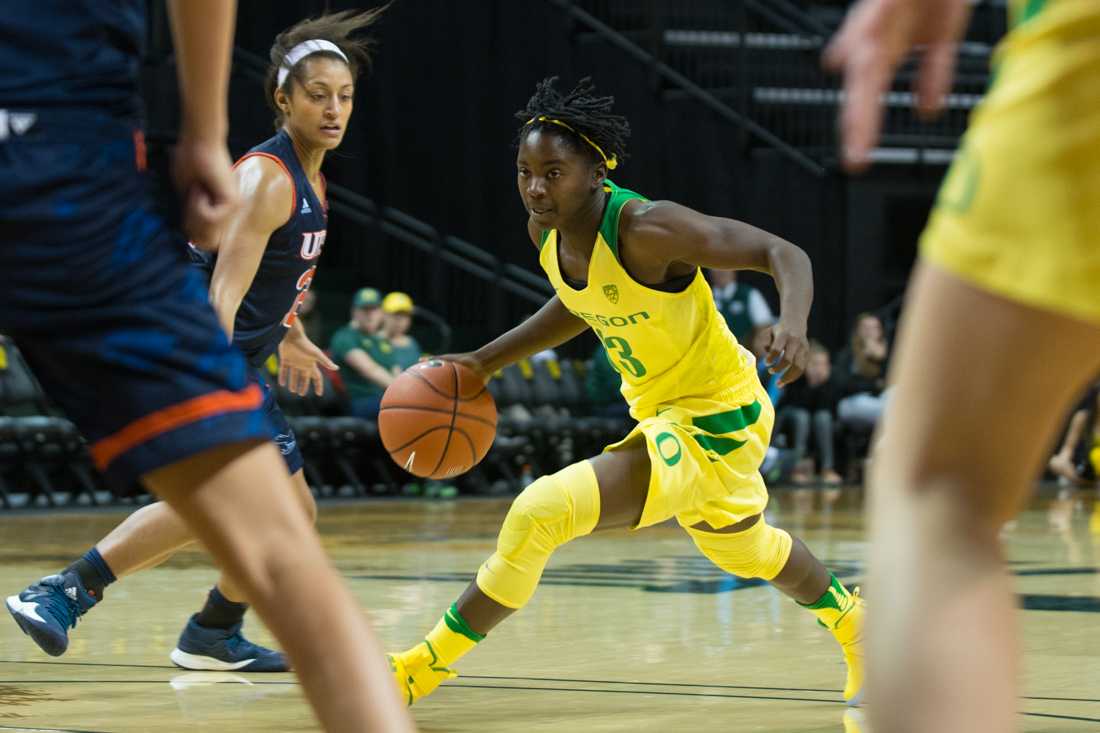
[{"x": 611, "y": 162}]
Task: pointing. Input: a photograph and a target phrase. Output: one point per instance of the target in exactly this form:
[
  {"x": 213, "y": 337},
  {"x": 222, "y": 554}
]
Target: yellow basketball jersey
[{"x": 665, "y": 346}]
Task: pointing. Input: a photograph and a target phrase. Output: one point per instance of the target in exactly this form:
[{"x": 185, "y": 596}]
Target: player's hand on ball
[
  {"x": 788, "y": 351},
  {"x": 470, "y": 360}
]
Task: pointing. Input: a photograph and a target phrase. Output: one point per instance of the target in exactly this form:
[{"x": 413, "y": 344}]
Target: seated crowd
[{"x": 553, "y": 410}]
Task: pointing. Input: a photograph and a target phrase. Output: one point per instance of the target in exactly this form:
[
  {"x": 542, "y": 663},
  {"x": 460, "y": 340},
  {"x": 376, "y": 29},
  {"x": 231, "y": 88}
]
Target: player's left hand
[
  {"x": 788, "y": 351},
  {"x": 299, "y": 364},
  {"x": 878, "y": 35}
]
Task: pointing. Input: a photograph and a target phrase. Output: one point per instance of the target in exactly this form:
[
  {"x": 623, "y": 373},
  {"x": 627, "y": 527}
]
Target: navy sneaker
[
  {"x": 224, "y": 650},
  {"x": 49, "y": 608}
]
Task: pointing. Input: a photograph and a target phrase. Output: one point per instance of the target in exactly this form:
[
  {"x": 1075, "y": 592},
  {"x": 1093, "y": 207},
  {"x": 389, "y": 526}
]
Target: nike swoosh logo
[
  {"x": 409, "y": 462},
  {"x": 28, "y": 609}
]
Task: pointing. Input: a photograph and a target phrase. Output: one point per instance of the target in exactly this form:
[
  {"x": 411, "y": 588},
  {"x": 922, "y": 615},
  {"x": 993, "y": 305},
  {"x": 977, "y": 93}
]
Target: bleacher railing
[{"x": 757, "y": 63}]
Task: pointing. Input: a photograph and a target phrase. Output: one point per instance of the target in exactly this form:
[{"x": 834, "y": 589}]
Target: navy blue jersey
[
  {"x": 72, "y": 54},
  {"x": 271, "y": 304}
]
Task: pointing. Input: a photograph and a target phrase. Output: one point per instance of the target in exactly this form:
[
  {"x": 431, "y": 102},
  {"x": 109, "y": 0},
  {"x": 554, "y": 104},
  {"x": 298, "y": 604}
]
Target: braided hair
[{"x": 580, "y": 117}]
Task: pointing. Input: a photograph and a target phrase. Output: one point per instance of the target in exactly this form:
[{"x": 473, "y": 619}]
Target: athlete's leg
[
  {"x": 752, "y": 548},
  {"x": 622, "y": 481},
  {"x": 277, "y": 559},
  {"x": 305, "y": 498},
  {"x": 145, "y": 539},
  {"x": 605, "y": 492},
  {"x": 982, "y": 384},
  {"x": 155, "y": 532},
  {"x": 212, "y": 638}
]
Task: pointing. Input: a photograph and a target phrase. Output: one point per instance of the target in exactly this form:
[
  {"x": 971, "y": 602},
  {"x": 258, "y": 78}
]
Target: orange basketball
[{"x": 437, "y": 419}]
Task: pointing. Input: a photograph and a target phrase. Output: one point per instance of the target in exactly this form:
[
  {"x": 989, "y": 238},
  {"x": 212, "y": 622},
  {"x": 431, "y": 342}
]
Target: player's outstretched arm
[
  {"x": 552, "y": 325},
  {"x": 662, "y": 232}
]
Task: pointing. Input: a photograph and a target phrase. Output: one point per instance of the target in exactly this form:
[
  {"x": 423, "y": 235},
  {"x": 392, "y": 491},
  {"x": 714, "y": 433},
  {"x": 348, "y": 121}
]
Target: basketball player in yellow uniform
[
  {"x": 1009, "y": 281},
  {"x": 629, "y": 269}
]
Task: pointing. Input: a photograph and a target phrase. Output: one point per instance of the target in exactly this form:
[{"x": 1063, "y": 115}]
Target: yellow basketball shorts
[
  {"x": 705, "y": 456},
  {"x": 1019, "y": 212}
]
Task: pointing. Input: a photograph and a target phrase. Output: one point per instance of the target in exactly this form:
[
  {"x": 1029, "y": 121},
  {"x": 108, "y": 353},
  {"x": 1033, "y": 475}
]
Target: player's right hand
[
  {"x": 468, "y": 359},
  {"x": 203, "y": 173},
  {"x": 878, "y": 35}
]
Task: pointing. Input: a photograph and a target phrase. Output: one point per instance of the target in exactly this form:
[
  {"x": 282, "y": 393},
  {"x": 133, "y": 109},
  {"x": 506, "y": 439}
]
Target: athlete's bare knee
[
  {"x": 305, "y": 495},
  {"x": 309, "y": 503}
]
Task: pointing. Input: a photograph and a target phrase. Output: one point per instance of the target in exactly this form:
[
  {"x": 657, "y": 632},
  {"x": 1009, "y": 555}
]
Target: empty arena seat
[
  {"x": 514, "y": 385},
  {"x": 9, "y": 458},
  {"x": 572, "y": 385},
  {"x": 52, "y": 454},
  {"x": 314, "y": 441},
  {"x": 546, "y": 383},
  {"x": 357, "y": 454}
]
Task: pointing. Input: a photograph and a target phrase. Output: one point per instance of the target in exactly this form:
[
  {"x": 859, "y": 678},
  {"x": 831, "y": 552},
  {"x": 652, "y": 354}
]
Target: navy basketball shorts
[
  {"x": 281, "y": 434},
  {"x": 96, "y": 291}
]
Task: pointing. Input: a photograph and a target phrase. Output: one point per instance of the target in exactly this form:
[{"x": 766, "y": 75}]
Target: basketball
[{"x": 437, "y": 419}]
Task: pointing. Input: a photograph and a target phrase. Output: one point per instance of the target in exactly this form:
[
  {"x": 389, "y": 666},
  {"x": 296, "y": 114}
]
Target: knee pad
[
  {"x": 759, "y": 552},
  {"x": 549, "y": 513}
]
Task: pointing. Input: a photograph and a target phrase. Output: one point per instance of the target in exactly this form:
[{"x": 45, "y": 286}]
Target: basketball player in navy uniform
[{"x": 97, "y": 294}]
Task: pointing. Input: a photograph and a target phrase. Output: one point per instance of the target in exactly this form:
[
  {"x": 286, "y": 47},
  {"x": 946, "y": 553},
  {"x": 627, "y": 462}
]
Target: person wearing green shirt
[{"x": 358, "y": 349}]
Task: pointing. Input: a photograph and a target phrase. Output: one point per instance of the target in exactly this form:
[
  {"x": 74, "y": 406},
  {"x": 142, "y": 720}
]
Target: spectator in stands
[
  {"x": 811, "y": 403},
  {"x": 404, "y": 351},
  {"x": 742, "y": 305},
  {"x": 602, "y": 387},
  {"x": 1078, "y": 461},
  {"x": 861, "y": 376},
  {"x": 357, "y": 348}
]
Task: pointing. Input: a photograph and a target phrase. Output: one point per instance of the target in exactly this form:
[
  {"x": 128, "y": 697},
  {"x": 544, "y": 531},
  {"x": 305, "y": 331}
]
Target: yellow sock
[
  {"x": 451, "y": 638},
  {"x": 835, "y": 610}
]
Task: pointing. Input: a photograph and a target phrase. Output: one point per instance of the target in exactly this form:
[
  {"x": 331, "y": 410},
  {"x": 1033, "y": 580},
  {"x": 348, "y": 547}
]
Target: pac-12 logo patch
[{"x": 612, "y": 293}]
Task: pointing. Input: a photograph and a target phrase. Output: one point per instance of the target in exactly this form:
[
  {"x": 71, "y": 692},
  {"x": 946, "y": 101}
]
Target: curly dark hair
[
  {"x": 585, "y": 113},
  {"x": 337, "y": 28}
]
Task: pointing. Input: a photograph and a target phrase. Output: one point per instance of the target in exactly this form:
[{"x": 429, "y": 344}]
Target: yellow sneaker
[
  {"x": 849, "y": 633},
  {"x": 417, "y": 672}
]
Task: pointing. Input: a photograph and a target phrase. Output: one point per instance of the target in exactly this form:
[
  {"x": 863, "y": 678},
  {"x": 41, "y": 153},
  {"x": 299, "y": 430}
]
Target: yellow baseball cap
[{"x": 397, "y": 302}]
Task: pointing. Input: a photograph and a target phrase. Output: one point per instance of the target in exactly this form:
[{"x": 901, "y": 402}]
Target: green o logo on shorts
[{"x": 670, "y": 455}]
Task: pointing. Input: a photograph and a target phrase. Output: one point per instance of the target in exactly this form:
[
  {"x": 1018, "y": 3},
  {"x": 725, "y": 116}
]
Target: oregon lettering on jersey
[
  {"x": 288, "y": 266},
  {"x": 613, "y": 321},
  {"x": 665, "y": 345}
]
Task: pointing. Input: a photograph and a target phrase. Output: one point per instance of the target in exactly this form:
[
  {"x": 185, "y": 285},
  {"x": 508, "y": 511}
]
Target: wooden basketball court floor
[{"x": 629, "y": 631}]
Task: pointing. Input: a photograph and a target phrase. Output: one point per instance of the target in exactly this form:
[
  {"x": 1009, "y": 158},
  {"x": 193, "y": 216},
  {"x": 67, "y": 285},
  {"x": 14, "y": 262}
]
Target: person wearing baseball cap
[{"x": 363, "y": 354}]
